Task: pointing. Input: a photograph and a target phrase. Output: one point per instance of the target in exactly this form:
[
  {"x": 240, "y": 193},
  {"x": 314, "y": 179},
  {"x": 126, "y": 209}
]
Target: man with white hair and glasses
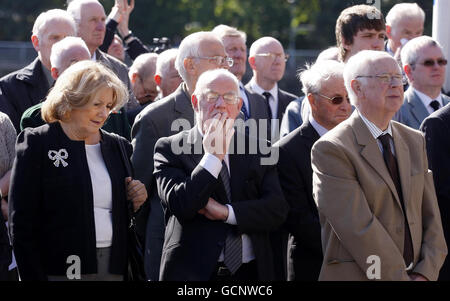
[
  {"x": 424, "y": 64},
  {"x": 377, "y": 205},
  {"x": 198, "y": 52}
]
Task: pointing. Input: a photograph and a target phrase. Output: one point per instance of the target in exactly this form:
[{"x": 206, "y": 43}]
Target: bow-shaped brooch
[{"x": 59, "y": 156}]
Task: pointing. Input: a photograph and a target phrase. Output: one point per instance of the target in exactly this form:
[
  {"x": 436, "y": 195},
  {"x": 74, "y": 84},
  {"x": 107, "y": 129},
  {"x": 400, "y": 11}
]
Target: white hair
[
  {"x": 41, "y": 22},
  {"x": 313, "y": 76},
  {"x": 223, "y": 30},
  {"x": 411, "y": 51},
  {"x": 164, "y": 61},
  {"x": 255, "y": 48},
  {"x": 144, "y": 65},
  {"x": 190, "y": 48},
  {"x": 59, "y": 48},
  {"x": 358, "y": 65},
  {"x": 209, "y": 76},
  {"x": 331, "y": 53},
  {"x": 404, "y": 10},
  {"x": 74, "y": 8}
]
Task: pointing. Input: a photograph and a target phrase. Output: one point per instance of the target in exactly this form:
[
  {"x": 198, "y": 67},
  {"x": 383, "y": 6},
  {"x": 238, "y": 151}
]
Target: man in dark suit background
[
  {"x": 234, "y": 42},
  {"x": 197, "y": 53},
  {"x": 220, "y": 201},
  {"x": 29, "y": 86},
  {"x": 268, "y": 62},
  {"x": 323, "y": 85},
  {"x": 436, "y": 128},
  {"x": 424, "y": 64}
]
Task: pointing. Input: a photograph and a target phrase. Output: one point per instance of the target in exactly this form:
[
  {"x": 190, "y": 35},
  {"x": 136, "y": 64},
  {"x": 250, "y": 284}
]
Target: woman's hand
[{"x": 136, "y": 192}]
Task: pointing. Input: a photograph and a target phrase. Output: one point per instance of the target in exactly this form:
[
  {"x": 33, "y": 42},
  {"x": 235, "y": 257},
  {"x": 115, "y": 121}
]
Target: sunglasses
[
  {"x": 431, "y": 63},
  {"x": 337, "y": 100}
]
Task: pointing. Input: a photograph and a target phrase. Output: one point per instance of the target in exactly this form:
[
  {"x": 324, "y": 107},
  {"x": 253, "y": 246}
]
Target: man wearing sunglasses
[
  {"x": 377, "y": 206},
  {"x": 220, "y": 201},
  {"x": 424, "y": 64},
  {"x": 323, "y": 85}
]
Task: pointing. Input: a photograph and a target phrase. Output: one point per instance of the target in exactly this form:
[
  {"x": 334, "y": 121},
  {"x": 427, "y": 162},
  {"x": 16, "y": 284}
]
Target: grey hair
[
  {"x": 411, "y": 51},
  {"x": 164, "y": 60},
  {"x": 313, "y": 76},
  {"x": 74, "y": 8},
  {"x": 209, "y": 76},
  {"x": 223, "y": 30},
  {"x": 144, "y": 65},
  {"x": 402, "y": 10},
  {"x": 40, "y": 24},
  {"x": 254, "y": 49},
  {"x": 58, "y": 49},
  {"x": 190, "y": 48},
  {"x": 358, "y": 65}
]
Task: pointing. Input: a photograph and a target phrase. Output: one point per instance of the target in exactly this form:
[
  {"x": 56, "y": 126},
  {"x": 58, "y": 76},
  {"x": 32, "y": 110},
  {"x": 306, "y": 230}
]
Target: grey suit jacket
[
  {"x": 413, "y": 112},
  {"x": 292, "y": 118}
]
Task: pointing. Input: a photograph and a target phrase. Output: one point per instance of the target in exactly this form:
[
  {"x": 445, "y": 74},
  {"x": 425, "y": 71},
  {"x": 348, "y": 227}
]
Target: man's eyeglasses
[
  {"x": 396, "y": 79},
  {"x": 337, "y": 100},
  {"x": 229, "y": 98},
  {"x": 273, "y": 56},
  {"x": 218, "y": 60},
  {"x": 431, "y": 63}
]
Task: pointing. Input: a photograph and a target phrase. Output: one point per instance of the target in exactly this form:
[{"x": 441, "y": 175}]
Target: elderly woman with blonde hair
[{"x": 70, "y": 188}]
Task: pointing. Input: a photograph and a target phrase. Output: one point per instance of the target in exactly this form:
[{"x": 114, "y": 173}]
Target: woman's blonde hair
[{"x": 77, "y": 85}]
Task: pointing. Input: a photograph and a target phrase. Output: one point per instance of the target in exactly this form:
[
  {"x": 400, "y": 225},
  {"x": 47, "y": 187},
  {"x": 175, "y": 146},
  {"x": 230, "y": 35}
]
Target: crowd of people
[{"x": 224, "y": 180}]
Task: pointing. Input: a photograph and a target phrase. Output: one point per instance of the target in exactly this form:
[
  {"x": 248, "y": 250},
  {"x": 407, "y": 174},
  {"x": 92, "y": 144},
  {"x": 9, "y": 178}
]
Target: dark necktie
[
  {"x": 267, "y": 96},
  {"x": 391, "y": 164},
  {"x": 233, "y": 241},
  {"x": 435, "y": 105},
  {"x": 244, "y": 108}
]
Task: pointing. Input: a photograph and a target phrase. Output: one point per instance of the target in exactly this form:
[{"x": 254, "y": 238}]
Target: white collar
[{"x": 319, "y": 128}]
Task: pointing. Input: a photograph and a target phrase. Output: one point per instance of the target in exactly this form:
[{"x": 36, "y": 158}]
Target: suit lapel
[
  {"x": 418, "y": 110},
  {"x": 403, "y": 162},
  {"x": 183, "y": 107},
  {"x": 371, "y": 152}
]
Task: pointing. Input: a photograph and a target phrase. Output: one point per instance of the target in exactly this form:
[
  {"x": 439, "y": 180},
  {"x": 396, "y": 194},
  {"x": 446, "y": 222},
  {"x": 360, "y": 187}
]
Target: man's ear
[
  {"x": 312, "y": 101},
  {"x": 134, "y": 77},
  {"x": 157, "y": 79},
  {"x": 35, "y": 42},
  {"x": 408, "y": 71},
  {"x": 189, "y": 65},
  {"x": 194, "y": 101},
  {"x": 251, "y": 62},
  {"x": 389, "y": 31},
  {"x": 54, "y": 73},
  {"x": 356, "y": 87}
]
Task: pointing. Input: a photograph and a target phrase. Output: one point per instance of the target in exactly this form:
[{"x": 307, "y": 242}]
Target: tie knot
[
  {"x": 267, "y": 95},
  {"x": 385, "y": 140},
  {"x": 435, "y": 105}
]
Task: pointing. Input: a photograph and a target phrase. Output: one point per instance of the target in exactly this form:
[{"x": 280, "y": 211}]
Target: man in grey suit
[
  {"x": 268, "y": 61},
  {"x": 197, "y": 53},
  {"x": 234, "y": 42},
  {"x": 424, "y": 64}
]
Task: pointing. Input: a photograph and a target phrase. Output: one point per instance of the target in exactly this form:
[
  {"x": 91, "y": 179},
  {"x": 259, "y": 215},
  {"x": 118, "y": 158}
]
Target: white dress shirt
[
  {"x": 273, "y": 103},
  {"x": 426, "y": 100},
  {"x": 319, "y": 129},
  {"x": 213, "y": 165},
  {"x": 377, "y": 132}
]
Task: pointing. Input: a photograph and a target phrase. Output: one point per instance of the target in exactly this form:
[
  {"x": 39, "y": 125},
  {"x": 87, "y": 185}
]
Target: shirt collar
[
  {"x": 426, "y": 100},
  {"x": 319, "y": 129},
  {"x": 257, "y": 89},
  {"x": 374, "y": 130}
]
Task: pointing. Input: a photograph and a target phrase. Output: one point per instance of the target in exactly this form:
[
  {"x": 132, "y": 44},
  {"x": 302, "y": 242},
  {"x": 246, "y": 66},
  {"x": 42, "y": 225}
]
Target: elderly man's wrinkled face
[
  {"x": 220, "y": 96},
  {"x": 236, "y": 49},
  {"x": 54, "y": 31},
  {"x": 170, "y": 80},
  {"x": 92, "y": 26},
  {"x": 270, "y": 62},
  {"x": 382, "y": 88},
  {"x": 210, "y": 49},
  {"x": 366, "y": 39},
  {"x": 90, "y": 118},
  {"x": 331, "y": 105},
  {"x": 116, "y": 49},
  {"x": 427, "y": 72},
  {"x": 407, "y": 28}
]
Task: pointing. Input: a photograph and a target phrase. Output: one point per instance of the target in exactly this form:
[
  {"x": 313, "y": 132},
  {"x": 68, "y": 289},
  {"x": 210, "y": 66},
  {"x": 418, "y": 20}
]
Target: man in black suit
[
  {"x": 164, "y": 118},
  {"x": 28, "y": 86},
  {"x": 234, "y": 42},
  {"x": 220, "y": 201},
  {"x": 436, "y": 128},
  {"x": 323, "y": 85},
  {"x": 268, "y": 61}
]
